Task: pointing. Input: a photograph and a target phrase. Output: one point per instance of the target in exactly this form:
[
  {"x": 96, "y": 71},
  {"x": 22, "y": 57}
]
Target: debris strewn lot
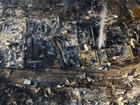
[{"x": 69, "y": 52}]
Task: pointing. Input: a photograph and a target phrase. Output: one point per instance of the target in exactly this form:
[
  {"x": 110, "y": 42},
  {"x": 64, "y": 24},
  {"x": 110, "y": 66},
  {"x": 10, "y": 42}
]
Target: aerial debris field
[{"x": 70, "y": 52}]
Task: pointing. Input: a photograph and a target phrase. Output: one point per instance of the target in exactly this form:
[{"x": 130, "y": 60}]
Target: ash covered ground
[{"x": 70, "y": 52}]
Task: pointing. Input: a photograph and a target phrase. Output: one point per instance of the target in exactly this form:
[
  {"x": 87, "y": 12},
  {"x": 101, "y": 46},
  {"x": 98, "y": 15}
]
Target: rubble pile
[
  {"x": 74, "y": 37},
  {"x": 83, "y": 90},
  {"x": 62, "y": 33},
  {"x": 12, "y": 30}
]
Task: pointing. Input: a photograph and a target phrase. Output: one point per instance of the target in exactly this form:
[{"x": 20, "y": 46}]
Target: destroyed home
[{"x": 69, "y": 52}]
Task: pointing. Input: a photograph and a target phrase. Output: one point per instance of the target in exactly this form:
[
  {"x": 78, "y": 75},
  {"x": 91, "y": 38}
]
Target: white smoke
[{"x": 102, "y": 36}]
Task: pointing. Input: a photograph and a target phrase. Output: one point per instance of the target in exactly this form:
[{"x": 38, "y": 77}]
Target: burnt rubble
[
  {"x": 59, "y": 52},
  {"x": 83, "y": 90},
  {"x": 46, "y": 39}
]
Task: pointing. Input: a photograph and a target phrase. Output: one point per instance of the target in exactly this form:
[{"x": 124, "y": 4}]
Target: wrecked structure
[
  {"x": 12, "y": 31},
  {"x": 61, "y": 52},
  {"x": 59, "y": 39}
]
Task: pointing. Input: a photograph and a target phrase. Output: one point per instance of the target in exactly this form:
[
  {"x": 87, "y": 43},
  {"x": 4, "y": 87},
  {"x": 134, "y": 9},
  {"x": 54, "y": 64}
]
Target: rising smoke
[{"x": 102, "y": 36}]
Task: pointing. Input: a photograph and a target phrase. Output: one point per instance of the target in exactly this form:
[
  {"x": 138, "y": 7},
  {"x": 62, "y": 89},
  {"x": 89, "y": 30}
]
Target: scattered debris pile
[
  {"x": 65, "y": 33},
  {"x": 12, "y": 36},
  {"x": 73, "y": 35},
  {"x": 82, "y": 90}
]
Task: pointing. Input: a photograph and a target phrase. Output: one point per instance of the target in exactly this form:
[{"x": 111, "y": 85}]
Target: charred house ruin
[{"x": 66, "y": 33}]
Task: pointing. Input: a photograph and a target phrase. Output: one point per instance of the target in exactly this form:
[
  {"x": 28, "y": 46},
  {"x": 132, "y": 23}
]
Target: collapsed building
[
  {"x": 68, "y": 38},
  {"x": 82, "y": 37}
]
